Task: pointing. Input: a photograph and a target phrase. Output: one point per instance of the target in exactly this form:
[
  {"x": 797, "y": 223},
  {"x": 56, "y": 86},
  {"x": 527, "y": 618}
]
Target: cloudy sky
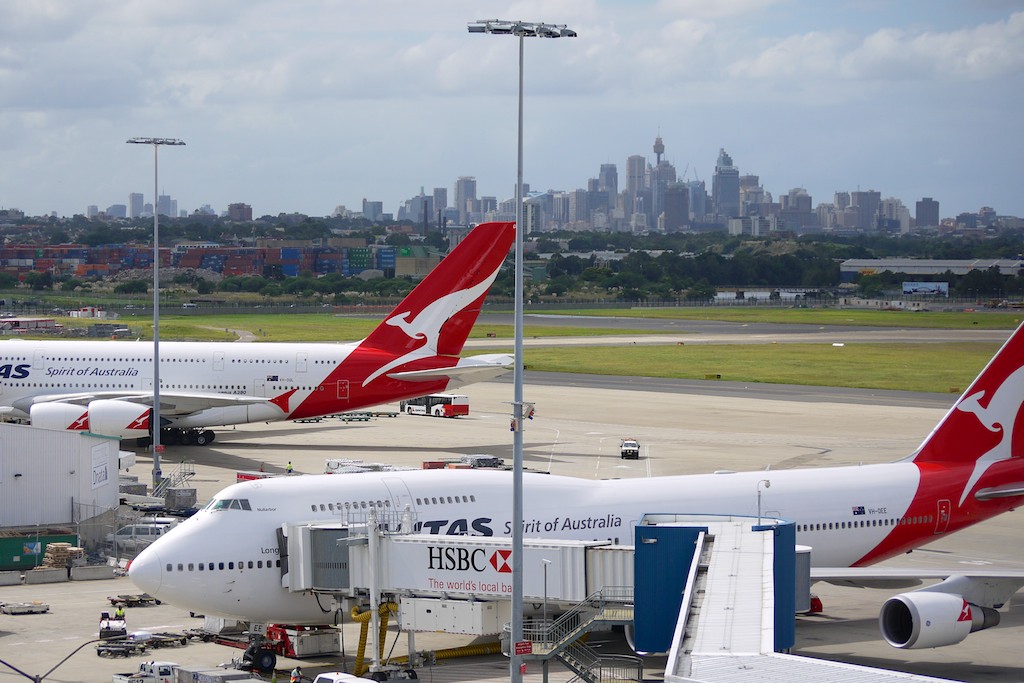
[{"x": 304, "y": 105}]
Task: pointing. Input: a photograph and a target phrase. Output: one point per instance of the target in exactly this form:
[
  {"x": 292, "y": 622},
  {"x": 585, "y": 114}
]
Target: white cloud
[{"x": 974, "y": 53}]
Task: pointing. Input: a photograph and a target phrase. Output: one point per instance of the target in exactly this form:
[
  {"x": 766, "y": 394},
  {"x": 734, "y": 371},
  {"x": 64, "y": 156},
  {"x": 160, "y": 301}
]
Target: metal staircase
[
  {"x": 185, "y": 470},
  {"x": 561, "y": 638}
]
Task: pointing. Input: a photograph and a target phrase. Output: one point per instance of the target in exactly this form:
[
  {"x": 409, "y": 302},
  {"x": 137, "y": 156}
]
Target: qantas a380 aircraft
[
  {"x": 226, "y": 559},
  {"x": 106, "y": 388}
]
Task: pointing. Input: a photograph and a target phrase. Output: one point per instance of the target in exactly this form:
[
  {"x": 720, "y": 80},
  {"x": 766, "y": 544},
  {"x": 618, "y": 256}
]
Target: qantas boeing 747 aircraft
[
  {"x": 107, "y": 387},
  {"x": 226, "y": 559}
]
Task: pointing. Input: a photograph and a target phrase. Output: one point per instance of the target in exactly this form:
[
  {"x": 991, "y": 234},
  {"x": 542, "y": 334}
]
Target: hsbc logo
[
  {"x": 499, "y": 560},
  {"x": 456, "y": 559}
]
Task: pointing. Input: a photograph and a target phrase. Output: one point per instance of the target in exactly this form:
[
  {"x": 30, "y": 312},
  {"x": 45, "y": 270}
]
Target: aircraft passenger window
[
  {"x": 191, "y": 567},
  {"x": 170, "y": 567},
  {"x": 433, "y": 500},
  {"x": 419, "y": 502},
  {"x": 220, "y": 566},
  {"x": 313, "y": 508},
  {"x": 330, "y": 506},
  {"x": 259, "y": 564},
  {"x": 181, "y": 567},
  {"x": 231, "y": 565},
  {"x": 278, "y": 563},
  {"x": 362, "y": 504},
  {"x": 250, "y": 564},
  {"x": 472, "y": 499}
]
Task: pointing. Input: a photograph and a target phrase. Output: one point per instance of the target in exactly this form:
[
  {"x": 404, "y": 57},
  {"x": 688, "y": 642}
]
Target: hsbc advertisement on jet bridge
[{"x": 479, "y": 566}]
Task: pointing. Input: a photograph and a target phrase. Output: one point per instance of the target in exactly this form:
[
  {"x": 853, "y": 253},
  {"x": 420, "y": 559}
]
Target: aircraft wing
[
  {"x": 171, "y": 402},
  {"x": 986, "y": 587}
]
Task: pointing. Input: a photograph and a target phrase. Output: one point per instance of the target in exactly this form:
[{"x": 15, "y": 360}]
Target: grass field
[
  {"x": 945, "y": 320},
  {"x": 942, "y": 368}
]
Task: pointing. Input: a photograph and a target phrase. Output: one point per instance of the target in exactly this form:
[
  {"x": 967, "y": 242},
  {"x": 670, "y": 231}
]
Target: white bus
[{"x": 438, "y": 405}]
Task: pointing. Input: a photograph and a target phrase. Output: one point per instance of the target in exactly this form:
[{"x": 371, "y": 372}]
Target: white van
[{"x": 135, "y": 537}]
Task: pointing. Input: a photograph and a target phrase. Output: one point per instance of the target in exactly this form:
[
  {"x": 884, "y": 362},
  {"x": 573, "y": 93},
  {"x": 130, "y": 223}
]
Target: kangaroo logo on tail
[
  {"x": 427, "y": 324},
  {"x": 998, "y": 416}
]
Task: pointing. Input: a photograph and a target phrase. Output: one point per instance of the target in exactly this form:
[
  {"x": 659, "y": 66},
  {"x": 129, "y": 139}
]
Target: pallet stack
[{"x": 57, "y": 554}]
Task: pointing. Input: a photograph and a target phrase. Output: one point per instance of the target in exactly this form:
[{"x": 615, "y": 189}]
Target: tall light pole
[
  {"x": 521, "y": 30},
  {"x": 155, "y": 418}
]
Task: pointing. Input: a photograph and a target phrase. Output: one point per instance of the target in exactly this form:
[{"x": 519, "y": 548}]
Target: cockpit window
[{"x": 229, "y": 504}]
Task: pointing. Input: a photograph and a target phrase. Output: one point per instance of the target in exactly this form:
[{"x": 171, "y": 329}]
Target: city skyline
[{"x": 310, "y": 107}]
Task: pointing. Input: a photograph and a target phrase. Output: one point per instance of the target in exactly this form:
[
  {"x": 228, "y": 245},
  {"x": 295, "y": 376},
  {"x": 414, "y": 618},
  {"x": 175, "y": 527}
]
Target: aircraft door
[
  {"x": 301, "y": 361},
  {"x": 342, "y": 390},
  {"x": 218, "y": 361},
  {"x": 942, "y": 516}
]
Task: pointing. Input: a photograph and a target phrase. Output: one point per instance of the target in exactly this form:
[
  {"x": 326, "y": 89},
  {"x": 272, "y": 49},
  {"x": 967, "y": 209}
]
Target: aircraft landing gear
[{"x": 180, "y": 437}]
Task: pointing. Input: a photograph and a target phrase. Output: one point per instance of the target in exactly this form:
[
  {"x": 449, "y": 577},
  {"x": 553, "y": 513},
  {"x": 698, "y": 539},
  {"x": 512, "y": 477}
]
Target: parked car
[{"x": 134, "y": 537}]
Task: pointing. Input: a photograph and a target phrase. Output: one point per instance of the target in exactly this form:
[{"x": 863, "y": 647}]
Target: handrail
[{"x": 185, "y": 470}]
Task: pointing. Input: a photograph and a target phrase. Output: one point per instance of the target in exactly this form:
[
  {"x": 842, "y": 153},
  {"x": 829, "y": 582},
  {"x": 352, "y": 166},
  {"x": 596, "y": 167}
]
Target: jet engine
[
  {"x": 931, "y": 619},
  {"x": 121, "y": 419},
  {"x": 59, "y": 416}
]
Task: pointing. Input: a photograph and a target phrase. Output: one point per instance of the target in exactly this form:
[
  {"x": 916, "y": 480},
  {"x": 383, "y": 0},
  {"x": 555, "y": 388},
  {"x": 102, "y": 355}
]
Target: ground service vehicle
[
  {"x": 336, "y": 677},
  {"x": 630, "y": 449},
  {"x": 438, "y": 405},
  {"x": 149, "y": 672}
]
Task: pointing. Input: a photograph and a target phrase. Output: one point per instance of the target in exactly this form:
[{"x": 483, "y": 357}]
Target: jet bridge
[{"x": 719, "y": 593}]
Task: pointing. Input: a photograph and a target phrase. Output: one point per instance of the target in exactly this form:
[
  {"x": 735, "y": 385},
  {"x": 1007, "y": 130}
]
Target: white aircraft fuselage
[{"x": 848, "y": 515}]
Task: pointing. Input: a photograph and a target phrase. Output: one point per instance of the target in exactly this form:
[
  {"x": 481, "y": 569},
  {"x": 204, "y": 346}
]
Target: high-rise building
[
  {"x": 893, "y": 216},
  {"x": 725, "y": 187},
  {"x": 866, "y": 205},
  {"x": 662, "y": 175},
  {"x": 135, "y": 204},
  {"x": 677, "y": 207},
  {"x": 636, "y": 175},
  {"x": 240, "y": 212},
  {"x": 440, "y": 198},
  {"x": 579, "y": 210},
  {"x": 796, "y": 210},
  {"x": 698, "y": 200},
  {"x": 373, "y": 211},
  {"x": 166, "y": 206},
  {"x": 927, "y": 212},
  {"x": 465, "y": 197},
  {"x": 608, "y": 179}
]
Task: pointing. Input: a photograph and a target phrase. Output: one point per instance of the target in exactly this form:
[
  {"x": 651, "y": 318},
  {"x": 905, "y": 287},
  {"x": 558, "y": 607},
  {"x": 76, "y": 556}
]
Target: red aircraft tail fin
[
  {"x": 986, "y": 425},
  {"x": 436, "y": 317}
]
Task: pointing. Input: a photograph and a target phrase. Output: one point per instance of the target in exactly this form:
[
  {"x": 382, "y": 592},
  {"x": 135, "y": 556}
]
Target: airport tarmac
[{"x": 576, "y": 432}]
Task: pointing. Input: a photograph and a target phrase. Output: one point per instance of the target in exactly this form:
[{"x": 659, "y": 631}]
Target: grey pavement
[{"x": 576, "y": 432}]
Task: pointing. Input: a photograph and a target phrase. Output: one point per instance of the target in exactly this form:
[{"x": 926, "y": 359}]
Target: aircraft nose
[{"x": 146, "y": 571}]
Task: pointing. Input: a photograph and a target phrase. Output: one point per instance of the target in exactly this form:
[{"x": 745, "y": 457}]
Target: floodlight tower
[
  {"x": 521, "y": 30},
  {"x": 154, "y": 421}
]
